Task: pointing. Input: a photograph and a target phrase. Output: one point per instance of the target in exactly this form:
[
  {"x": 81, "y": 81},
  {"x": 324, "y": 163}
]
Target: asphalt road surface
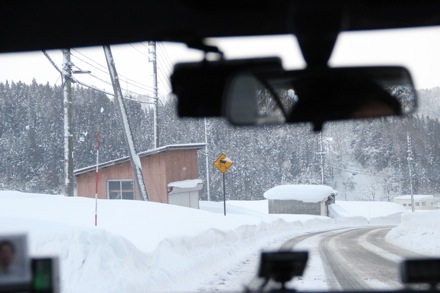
[{"x": 355, "y": 258}]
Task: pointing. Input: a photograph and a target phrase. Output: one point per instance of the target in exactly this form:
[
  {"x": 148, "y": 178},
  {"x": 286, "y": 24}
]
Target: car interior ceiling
[{"x": 49, "y": 24}]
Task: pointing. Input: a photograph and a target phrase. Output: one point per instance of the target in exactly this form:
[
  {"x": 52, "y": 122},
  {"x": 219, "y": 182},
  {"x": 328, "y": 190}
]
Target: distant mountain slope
[{"x": 429, "y": 102}]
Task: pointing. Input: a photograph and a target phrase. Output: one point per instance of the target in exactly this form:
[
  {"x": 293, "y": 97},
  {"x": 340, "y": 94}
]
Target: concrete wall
[{"x": 296, "y": 207}]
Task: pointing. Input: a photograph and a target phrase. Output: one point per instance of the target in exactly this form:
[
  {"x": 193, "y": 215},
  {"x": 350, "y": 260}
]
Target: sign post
[{"x": 222, "y": 163}]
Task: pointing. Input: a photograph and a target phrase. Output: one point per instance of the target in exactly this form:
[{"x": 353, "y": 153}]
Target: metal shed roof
[{"x": 187, "y": 146}]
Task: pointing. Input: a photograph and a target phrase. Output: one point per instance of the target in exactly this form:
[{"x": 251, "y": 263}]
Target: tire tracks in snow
[
  {"x": 354, "y": 258},
  {"x": 355, "y": 267}
]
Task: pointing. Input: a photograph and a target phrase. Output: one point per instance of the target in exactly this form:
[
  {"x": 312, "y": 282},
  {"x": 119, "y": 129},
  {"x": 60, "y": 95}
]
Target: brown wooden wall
[
  {"x": 180, "y": 165},
  {"x": 86, "y": 182},
  {"x": 154, "y": 173},
  {"x": 158, "y": 170}
]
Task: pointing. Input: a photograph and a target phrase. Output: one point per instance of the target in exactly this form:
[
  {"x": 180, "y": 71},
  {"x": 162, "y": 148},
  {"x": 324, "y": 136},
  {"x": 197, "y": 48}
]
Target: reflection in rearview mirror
[
  {"x": 245, "y": 102},
  {"x": 318, "y": 96}
]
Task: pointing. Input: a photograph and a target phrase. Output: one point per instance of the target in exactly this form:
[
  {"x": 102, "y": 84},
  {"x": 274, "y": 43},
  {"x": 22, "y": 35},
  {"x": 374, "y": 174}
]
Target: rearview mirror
[
  {"x": 200, "y": 86},
  {"x": 259, "y": 91},
  {"x": 317, "y": 96}
]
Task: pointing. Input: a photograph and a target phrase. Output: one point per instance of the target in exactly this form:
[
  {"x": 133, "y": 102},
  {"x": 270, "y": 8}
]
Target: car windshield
[{"x": 99, "y": 174}]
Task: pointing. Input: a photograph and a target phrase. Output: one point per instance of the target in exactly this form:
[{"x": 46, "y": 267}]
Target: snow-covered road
[{"x": 350, "y": 259}]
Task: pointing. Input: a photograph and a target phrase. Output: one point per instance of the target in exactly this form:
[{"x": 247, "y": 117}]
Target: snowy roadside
[
  {"x": 144, "y": 247},
  {"x": 419, "y": 232},
  {"x": 138, "y": 246}
]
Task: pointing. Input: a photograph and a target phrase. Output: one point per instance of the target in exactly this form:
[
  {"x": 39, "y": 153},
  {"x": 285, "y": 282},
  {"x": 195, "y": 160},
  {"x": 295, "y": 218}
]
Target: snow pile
[
  {"x": 144, "y": 246},
  {"x": 304, "y": 193},
  {"x": 140, "y": 246},
  {"x": 419, "y": 231},
  {"x": 122, "y": 217},
  {"x": 256, "y": 209},
  {"x": 364, "y": 212}
]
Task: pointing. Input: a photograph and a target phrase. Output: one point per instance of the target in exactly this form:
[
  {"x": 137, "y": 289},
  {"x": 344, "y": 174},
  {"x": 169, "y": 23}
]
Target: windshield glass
[{"x": 99, "y": 172}]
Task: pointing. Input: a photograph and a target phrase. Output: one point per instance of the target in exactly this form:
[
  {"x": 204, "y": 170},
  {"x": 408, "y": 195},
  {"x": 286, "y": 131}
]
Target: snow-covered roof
[
  {"x": 304, "y": 193},
  {"x": 185, "y": 186},
  {"x": 142, "y": 154},
  {"x": 185, "y": 183},
  {"x": 416, "y": 196}
]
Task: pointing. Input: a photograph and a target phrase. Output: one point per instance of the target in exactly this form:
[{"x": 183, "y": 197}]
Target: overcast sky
[{"x": 417, "y": 49}]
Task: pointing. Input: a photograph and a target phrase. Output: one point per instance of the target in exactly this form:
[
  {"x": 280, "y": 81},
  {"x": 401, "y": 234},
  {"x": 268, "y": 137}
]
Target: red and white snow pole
[{"x": 98, "y": 134}]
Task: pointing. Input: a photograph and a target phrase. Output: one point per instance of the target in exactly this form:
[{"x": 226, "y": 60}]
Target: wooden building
[{"x": 160, "y": 167}]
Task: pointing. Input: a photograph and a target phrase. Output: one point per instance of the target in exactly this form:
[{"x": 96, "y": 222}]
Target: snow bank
[
  {"x": 370, "y": 209},
  {"x": 184, "y": 258},
  {"x": 344, "y": 217},
  {"x": 140, "y": 246},
  {"x": 304, "y": 193},
  {"x": 390, "y": 220},
  {"x": 85, "y": 254},
  {"x": 419, "y": 231},
  {"x": 366, "y": 212},
  {"x": 234, "y": 208},
  {"x": 144, "y": 246}
]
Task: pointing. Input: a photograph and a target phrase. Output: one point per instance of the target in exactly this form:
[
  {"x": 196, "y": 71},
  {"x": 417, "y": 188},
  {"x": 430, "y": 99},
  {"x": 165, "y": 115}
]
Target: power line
[
  {"x": 143, "y": 44},
  {"x": 354, "y": 171},
  {"x": 166, "y": 56},
  {"x": 109, "y": 83},
  {"x": 163, "y": 78},
  {"x": 90, "y": 64},
  {"x": 99, "y": 64},
  {"x": 164, "y": 81},
  {"x": 139, "y": 51},
  {"x": 146, "y": 88},
  {"x": 74, "y": 80},
  {"x": 127, "y": 79},
  {"x": 108, "y": 93},
  {"x": 92, "y": 87},
  {"x": 142, "y": 102}
]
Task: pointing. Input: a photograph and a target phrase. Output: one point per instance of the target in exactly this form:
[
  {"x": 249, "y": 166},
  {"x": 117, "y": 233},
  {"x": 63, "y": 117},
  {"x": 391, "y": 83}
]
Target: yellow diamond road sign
[{"x": 223, "y": 163}]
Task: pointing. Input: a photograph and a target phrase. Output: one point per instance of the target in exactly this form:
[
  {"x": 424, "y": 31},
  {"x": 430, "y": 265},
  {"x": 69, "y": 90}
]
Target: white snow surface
[
  {"x": 304, "y": 193},
  {"x": 416, "y": 196},
  {"x": 185, "y": 183},
  {"x": 418, "y": 231},
  {"x": 365, "y": 209},
  {"x": 366, "y": 212},
  {"x": 150, "y": 247}
]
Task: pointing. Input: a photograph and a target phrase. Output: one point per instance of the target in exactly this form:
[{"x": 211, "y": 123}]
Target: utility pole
[
  {"x": 207, "y": 161},
  {"x": 134, "y": 158},
  {"x": 321, "y": 153},
  {"x": 410, "y": 159},
  {"x": 68, "y": 137},
  {"x": 152, "y": 57}
]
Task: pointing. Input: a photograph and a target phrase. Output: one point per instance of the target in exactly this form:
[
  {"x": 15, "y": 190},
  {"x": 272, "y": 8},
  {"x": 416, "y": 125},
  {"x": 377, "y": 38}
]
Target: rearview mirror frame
[
  {"x": 229, "y": 88},
  {"x": 321, "y": 95}
]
